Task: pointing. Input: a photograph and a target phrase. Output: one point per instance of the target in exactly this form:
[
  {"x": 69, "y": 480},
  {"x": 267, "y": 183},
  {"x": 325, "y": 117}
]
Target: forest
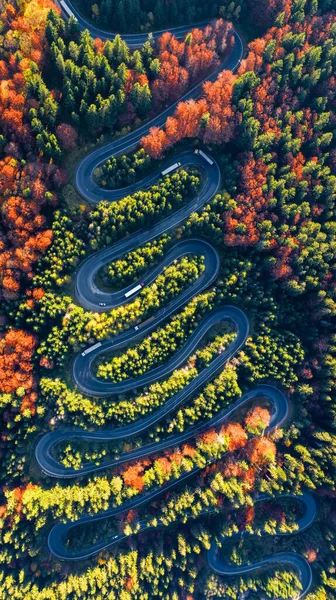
[
  {"x": 146, "y": 15},
  {"x": 269, "y": 127}
]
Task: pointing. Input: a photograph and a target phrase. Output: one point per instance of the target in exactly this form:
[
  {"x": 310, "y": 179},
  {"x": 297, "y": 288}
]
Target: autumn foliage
[
  {"x": 67, "y": 136},
  {"x": 257, "y": 419},
  {"x": 261, "y": 451},
  {"x": 280, "y": 127},
  {"x": 24, "y": 185},
  {"x": 183, "y": 63},
  {"x": 16, "y": 349},
  {"x": 211, "y": 118},
  {"x": 133, "y": 476},
  {"x": 237, "y": 436}
]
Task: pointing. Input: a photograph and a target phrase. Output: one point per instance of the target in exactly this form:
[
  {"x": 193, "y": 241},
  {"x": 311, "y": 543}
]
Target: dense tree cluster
[
  {"x": 92, "y": 87},
  {"x": 120, "y": 171},
  {"x": 184, "y": 63},
  {"x": 164, "y": 342},
  {"x": 136, "y": 15},
  {"x": 111, "y": 221},
  {"x": 74, "y": 327},
  {"x": 62, "y": 257},
  {"x": 27, "y": 187},
  {"x": 130, "y": 268},
  {"x": 212, "y": 118}
]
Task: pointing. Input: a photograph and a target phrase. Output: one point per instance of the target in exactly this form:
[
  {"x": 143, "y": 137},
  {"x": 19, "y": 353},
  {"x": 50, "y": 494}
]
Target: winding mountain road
[
  {"x": 91, "y": 298},
  {"x": 84, "y": 178},
  {"x": 133, "y": 40},
  {"x": 219, "y": 566},
  {"x": 89, "y": 294}
]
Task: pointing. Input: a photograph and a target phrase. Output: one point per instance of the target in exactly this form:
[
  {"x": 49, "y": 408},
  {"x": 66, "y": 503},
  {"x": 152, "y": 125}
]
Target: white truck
[
  {"x": 205, "y": 156},
  {"x": 97, "y": 345},
  {"x": 171, "y": 168},
  {"x": 67, "y": 10},
  {"x": 134, "y": 290}
]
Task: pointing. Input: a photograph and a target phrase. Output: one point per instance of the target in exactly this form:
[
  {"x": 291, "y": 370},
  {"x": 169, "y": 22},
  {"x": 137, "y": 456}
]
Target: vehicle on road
[
  {"x": 205, "y": 156},
  {"x": 171, "y": 168},
  {"x": 134, "y": 290},
  {"x": 94, "y": 347},
  {"x": 67, "y": 10}
]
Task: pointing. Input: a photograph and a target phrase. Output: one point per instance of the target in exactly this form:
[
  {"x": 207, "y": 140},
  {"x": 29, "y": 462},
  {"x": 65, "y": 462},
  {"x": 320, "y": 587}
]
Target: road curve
[
  {"x": 58, "y": 534},
  {"x": 133, "y": 40},
  {"x": 91, "y": 385},
  {"x": 49, "y": 441},
  {"x": 293, "y": 559},
  {"x": 84, "y": 178},
  {"x": 90, "y": 297},
  {"x": 88, "y": 293},
  {"x": 55, "y": 469}
]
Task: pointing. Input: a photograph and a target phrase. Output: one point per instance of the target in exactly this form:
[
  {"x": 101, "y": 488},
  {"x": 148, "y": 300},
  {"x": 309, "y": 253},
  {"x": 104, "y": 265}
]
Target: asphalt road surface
[
  {"x": 133, "y": 40},
  {"x": 91, "y": 298},
  {"x": 219, "y": 566}
]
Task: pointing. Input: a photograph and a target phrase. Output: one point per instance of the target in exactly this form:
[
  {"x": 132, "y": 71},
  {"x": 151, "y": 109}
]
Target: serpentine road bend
[
  {"x": 91, "y": 298},
  {"x": 133, "y": 40},
  {"x": 84, "y": 178},
  {"x": 220, "y": 567}
]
